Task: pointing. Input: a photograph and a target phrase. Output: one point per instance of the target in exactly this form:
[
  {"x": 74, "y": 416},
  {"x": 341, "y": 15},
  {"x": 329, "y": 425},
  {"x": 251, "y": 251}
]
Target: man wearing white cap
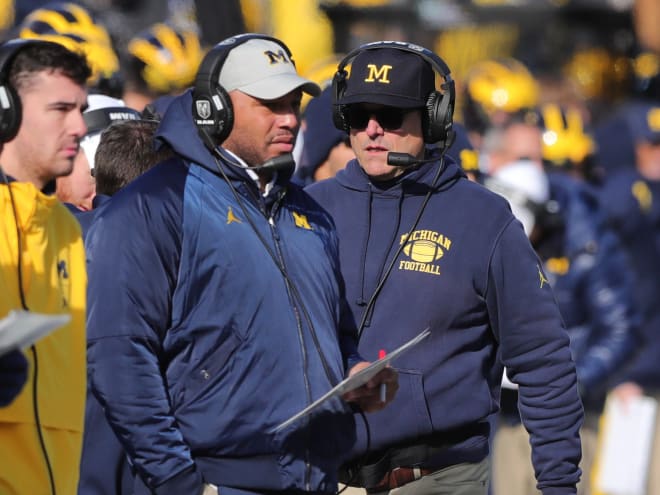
[{"x": 218, "y": 313}]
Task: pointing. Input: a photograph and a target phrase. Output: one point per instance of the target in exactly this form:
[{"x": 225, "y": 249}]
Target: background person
[
  {"x": 630, "y": 198},
  {"x": 125, "y": 151},
  {"x": 325, "y": 148},
  {"x": 78, "y": 189},
  {"x": 586, "y": 266}
]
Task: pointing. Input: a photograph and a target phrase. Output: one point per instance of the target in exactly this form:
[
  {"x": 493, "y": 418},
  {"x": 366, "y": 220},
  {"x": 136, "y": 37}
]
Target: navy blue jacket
[
  {"x": 85, "y": 218},
  {"x": 103, "y": 464},
  {"x": 213, "y": 317},
  {"x": 467, "y": 271},
  {"x": 594, "y": 286},
  {"x": 632, "y": 206}
]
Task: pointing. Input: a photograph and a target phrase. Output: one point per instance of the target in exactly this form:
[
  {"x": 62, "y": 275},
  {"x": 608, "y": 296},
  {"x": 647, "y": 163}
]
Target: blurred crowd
[{"x": 575, "y": 149}]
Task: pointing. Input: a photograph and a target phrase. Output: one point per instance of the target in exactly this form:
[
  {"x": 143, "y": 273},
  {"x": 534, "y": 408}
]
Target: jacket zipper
[{"x": 301, "y": 339}]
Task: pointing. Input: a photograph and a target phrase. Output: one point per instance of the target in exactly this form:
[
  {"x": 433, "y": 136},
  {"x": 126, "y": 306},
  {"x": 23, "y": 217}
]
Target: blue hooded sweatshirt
[
  {"x": 463, "y": 266},
  {"x": 213, "y": 317}
]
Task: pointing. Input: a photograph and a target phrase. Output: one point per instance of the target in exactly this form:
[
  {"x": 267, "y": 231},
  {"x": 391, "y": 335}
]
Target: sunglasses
[{"x": 389, "y": 118}]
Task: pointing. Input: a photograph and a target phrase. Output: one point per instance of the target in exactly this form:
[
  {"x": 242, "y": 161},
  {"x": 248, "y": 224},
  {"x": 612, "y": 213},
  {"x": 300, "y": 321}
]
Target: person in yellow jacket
[{"x": 42, "y": 263}]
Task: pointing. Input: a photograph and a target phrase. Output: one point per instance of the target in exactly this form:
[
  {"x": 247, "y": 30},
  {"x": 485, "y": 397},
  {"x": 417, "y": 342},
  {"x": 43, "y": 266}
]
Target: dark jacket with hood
[
  {"x": 466, "y": 270},
  {"x": 594, "y": 287},
  {"x": 632, "y": 205},
  {"x": 213, "y": 317}
]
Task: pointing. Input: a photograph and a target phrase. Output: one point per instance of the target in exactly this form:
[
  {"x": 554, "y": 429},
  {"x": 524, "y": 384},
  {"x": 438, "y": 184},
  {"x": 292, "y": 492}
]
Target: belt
[{"x": 399, "y": 476}]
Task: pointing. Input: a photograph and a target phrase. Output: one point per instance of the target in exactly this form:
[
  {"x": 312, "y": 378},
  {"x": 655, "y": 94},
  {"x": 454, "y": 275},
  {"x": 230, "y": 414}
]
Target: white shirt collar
[{"x": 253, "y": 175}]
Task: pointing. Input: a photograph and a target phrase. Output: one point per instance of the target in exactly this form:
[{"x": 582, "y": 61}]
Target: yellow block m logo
[
  {"x": 301, "y": 221},
  {"x": 378, "y": 74}
]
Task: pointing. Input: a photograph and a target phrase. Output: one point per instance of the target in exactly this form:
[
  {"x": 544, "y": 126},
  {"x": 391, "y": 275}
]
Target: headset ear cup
[
  {"x": 224, "y": 120},
  {"x": 339, "y": 118},
  {"x": 10, "y": 113},
  {"x": 431, "y": 123},
  {"x": 438, "y": 120},
  {"x": 213, "y": 112},
  {"x": 339, "y": 111},
  {"x": 228, "y": 120}
]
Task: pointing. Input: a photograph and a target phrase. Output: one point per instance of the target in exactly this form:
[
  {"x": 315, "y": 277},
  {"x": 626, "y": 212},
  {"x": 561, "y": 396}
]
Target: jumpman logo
[
  {"x": 542, "y": 277},
  {"x": 231, "y": 218}
]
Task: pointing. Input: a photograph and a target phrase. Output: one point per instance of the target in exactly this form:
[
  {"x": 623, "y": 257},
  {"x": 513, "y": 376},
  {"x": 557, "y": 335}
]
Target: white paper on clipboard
[
  {"x": 627, "y": 442},
  {"x": 20, "y": 329},
  {"x": 356, "y": 380}
]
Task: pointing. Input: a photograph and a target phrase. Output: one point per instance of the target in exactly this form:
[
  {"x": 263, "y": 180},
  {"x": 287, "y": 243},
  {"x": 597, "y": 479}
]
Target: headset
[
  {"x": 10, "y": 103},
  {"x": 212, "y": 109},
  {"x": 438, "y": 118}
]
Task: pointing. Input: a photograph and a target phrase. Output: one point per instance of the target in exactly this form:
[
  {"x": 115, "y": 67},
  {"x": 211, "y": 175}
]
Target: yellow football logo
[{"x": 423, "y": 251}]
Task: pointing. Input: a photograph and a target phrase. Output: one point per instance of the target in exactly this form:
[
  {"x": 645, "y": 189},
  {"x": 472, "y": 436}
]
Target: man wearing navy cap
[{"x": 421, "y": 246}]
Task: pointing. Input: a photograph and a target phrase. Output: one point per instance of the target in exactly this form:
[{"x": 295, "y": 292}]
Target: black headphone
[
  {"x": 212, "y": 109},
  {"x": 438, "y": 118},
  {"x": 10, "y": 103}
]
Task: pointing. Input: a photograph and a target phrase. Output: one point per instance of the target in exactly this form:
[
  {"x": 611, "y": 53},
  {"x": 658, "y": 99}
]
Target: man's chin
[
  {"x": 381, "y": 171},
  {"x": 64, "y": 170}
]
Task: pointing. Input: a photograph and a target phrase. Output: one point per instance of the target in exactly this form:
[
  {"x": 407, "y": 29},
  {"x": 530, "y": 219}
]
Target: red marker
[{"x": 383, "y": 386}]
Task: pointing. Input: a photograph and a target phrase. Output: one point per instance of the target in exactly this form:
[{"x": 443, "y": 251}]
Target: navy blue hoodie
[
  {"x": 199, "y": 344},
  {"x": 467, "y": 271}
]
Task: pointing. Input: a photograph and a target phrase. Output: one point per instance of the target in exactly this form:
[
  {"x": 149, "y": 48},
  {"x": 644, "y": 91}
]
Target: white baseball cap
[{"x": 263, "y": 69}]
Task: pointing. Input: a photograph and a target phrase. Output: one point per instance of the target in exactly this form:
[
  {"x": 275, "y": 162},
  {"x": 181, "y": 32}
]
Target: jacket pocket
[
  {"x": 408, "y": 411},
  {"x": 206, "y": 375}
]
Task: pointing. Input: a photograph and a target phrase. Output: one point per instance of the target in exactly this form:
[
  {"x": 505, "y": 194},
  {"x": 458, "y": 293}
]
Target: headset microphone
[
  {"x": 280, "y": 163},
  {"x": 405, "y": 159}
]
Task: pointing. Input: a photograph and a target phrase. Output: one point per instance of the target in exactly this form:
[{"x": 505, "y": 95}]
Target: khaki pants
[
  {"x": 513, "y": 473},
  {"x": 352, "y": 490}
]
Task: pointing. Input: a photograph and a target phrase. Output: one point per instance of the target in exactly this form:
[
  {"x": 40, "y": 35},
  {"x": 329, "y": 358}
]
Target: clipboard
[
  {"x": 356, "y": 380},
  {"x": 20, "y": 329}
]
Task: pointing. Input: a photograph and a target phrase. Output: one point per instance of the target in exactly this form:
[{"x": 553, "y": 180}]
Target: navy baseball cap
[
  {"x": 388, "y": 76},
  {"x": 645, "y": 123}
]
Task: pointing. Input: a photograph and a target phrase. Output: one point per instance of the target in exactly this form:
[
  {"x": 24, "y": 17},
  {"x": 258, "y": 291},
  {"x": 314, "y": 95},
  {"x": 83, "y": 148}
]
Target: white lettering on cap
[{"x": 122, "y": 116}]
